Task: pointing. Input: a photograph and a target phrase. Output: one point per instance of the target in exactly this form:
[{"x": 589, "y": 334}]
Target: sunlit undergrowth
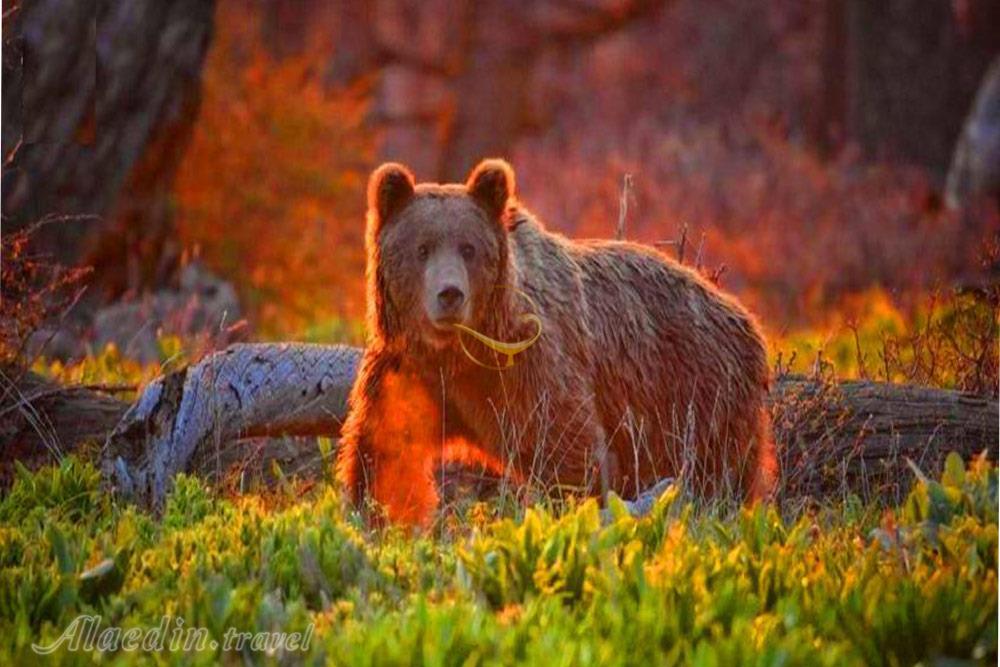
[
  {"x": 846, "y": 585},
  {"x": 109, "y": 367},
  {"x": 944, "y": 341},
  {"x": 940, "y": 340}
]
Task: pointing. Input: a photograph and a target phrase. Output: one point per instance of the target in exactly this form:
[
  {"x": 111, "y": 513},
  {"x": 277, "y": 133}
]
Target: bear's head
[{"x": 437, "y": 253}]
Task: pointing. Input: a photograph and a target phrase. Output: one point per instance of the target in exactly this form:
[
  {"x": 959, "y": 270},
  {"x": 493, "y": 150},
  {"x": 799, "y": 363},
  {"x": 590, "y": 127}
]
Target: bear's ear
[
  {"x": 389, "y": 187},
  {"x": 491, "y": 183}
]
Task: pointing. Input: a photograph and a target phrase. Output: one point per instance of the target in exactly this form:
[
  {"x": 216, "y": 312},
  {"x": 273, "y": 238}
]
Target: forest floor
[{"x": 844, "y": 584}]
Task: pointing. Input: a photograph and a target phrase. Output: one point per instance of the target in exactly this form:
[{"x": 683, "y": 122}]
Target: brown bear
[{"x": 642, "y": 369}]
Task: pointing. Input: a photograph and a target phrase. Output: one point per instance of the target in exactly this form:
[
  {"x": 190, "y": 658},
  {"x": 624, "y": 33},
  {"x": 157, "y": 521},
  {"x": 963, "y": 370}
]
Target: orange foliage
[
  {"x": 268, "y": 192},
  {"x": 795, "y": 233},
  {"x": 271, "y": 191}
]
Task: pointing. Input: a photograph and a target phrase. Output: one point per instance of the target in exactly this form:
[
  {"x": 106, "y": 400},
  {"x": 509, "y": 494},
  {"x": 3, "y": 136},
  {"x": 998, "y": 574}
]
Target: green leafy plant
[{"x": 847, "y": 584}]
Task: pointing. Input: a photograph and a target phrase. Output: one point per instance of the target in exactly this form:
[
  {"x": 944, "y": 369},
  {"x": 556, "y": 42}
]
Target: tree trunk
[
  {"x": 913, "y": 69},
  {"x": 833, "y": 438},
  {"x": 99, "y": 99},
  {"x": 975, "y": 167}
]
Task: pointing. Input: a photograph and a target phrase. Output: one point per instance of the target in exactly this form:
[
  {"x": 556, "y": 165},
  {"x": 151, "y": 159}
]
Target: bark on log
[
  {"x": 855, "y": 437},
  {"x": 247, "y": 390},
  {"x": 833, "y": 438}
]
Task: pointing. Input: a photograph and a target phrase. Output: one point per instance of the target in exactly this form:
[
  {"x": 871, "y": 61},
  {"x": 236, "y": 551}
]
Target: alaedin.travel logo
[{"x": 84, "y": 633}]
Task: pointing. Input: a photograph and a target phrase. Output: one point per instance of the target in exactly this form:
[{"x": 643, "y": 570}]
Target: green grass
[{"x": 849, "y": 585}]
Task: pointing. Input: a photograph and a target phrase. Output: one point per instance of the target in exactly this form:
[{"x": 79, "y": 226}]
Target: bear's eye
[
  {"x": 468, "y": 251},
  {"x": 422, "y": 251}
]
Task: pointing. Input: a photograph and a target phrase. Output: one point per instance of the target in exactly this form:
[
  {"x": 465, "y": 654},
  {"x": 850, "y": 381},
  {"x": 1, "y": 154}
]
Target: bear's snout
[
  {"x": 449, "y": 305},
  {"x": 446, "y": 290},
  {"x": 450, "y": 299}
]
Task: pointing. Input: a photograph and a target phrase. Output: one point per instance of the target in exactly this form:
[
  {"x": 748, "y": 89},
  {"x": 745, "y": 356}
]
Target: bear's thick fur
[{"x": 643, "y": 369}]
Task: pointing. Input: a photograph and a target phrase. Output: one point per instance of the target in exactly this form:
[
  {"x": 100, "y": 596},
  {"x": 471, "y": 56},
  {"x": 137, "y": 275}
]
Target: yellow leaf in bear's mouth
[{"x": 508, "y": 349}]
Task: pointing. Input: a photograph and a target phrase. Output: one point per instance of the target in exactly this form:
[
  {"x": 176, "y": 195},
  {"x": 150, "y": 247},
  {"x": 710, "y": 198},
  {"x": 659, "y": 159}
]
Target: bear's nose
[{"x": 451, "y": 298}]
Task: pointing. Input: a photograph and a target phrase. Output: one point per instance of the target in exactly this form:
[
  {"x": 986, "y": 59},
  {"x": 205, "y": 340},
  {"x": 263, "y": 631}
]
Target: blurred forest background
[{"x": 836, "y": 163}]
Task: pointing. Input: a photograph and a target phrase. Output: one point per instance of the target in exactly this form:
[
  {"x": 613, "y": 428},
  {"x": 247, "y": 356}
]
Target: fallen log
[
  {"x": 41, "y": 420},
  {"x": 862, "y": 437},
  {"x": 834, "y": 438},
  {"x": 247, "y": 390}
]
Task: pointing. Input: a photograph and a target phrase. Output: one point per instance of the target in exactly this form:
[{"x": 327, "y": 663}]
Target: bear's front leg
[
  {"x": 391, "y": 439},
  {"x": 566, "y": 449}
]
